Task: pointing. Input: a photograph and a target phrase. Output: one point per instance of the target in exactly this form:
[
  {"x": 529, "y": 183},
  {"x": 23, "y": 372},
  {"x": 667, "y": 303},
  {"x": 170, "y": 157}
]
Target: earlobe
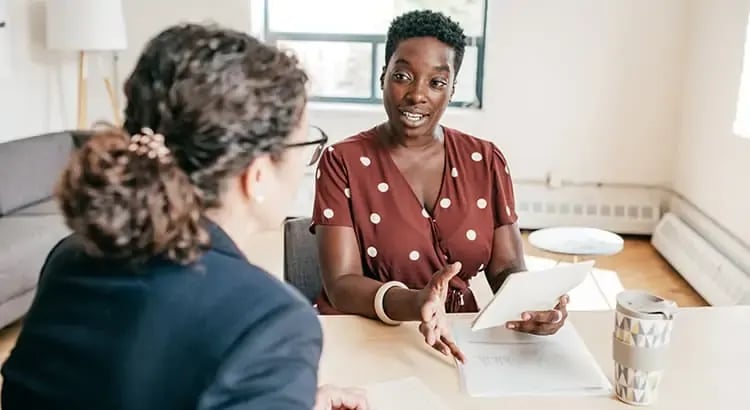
[
  {"x": 258, "y": 194},
  {"x": 251, "y": 186}
]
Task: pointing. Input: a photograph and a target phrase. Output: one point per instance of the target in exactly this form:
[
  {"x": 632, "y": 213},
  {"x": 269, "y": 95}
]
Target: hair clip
[{"x": 151, "y": 145}]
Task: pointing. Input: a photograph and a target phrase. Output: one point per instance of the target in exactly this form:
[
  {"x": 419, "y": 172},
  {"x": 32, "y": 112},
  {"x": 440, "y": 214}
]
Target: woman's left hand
[
  {"x": 544, "y": 323},
  {"x": 331, "y": 397}
]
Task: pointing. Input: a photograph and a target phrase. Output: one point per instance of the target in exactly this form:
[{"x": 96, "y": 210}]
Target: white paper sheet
[
  {"x": 402, "y": 394},
  {"x": 502, "y": 362},
  {"x": 531, "y": 291}
]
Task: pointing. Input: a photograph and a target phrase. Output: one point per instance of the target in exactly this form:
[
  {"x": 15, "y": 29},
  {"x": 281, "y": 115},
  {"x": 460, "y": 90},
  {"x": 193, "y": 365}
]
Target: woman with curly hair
[
  {"x": 151, "y": 303},
  {"x": 408, "y": 211}
]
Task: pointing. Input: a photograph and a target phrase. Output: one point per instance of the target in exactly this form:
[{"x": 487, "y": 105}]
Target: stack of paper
[{"x": 502, "y": 362}]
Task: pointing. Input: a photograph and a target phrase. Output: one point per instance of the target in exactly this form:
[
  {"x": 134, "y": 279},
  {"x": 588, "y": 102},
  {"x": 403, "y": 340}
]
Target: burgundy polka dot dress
[{"x": 358, "y": 185}]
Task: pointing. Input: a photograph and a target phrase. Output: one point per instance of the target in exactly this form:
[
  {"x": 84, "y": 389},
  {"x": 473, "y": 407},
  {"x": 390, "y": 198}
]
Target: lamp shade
[{"x": 86, "y": 25}]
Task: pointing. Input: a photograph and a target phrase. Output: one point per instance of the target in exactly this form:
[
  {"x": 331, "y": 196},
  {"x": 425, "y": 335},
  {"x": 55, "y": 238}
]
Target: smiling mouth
[{"x": 412, "y": 116}]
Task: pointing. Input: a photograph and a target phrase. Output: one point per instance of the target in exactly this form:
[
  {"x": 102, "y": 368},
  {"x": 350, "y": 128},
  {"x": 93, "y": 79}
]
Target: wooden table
[{"x": 709, "y": 361}]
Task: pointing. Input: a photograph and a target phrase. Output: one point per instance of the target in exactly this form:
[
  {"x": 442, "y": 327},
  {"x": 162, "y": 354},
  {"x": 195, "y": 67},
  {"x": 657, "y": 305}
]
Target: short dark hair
[
  {"x": 220, "y": 99},
  {"x": 426, "y": 23}
]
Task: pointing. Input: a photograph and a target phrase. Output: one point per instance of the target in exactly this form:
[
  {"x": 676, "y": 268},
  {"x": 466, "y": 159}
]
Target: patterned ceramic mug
[{"x": 643, "y": 330}]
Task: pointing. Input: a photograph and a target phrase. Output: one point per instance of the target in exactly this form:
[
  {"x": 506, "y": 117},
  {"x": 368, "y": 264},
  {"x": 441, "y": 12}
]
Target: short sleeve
[
  {"x": 332, "y": 206},
  {"x": 273, "y": 365},
  {"x": 503, "y": 195}
]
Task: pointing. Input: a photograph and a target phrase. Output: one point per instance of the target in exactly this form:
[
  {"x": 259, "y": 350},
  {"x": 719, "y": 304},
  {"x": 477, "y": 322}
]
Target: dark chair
[{"x": 301, "y": 266}]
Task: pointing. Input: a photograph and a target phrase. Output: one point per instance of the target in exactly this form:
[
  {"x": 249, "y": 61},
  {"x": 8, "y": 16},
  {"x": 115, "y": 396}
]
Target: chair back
[{"x": 301, "y": 265}]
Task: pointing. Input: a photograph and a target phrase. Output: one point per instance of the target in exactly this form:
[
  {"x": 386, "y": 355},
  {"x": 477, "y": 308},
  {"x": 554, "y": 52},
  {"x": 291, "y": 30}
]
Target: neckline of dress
[{"x": 445, "y": 173}]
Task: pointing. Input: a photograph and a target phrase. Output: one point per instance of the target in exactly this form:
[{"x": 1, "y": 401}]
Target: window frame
[{"x": 273, "y": 37}]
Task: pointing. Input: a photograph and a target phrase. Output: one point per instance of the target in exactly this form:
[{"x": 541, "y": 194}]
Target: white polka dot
[
  {"x": 454, "y": 173},
  {"x": 476, "y": 157},
  {"x": 471, "y": 234},
  {"x": 481, "y": 267},
  {"x": 328, "y": 213},
  {"x": 425, "y": 213},
  {"x": 347, "y": 192},
  {"x": 414, "y": 255},
  {"x": 318, "y": 176},
  {"x": 383, "y": 187},
  {"x": 445, "y": 202},
  {"x": 507, "y": 209},
  {"x": 372, "y": 251},
  {"x": 374, "y": 218},
  {"x": 330, "y": 149},
  {"x": 365, "y": 161},
  {"x": 482, "y": 203}
]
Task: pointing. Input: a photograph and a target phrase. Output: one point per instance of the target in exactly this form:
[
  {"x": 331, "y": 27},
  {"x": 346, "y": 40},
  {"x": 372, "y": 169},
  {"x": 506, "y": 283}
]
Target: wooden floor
[{"x": 638, "y": 266}]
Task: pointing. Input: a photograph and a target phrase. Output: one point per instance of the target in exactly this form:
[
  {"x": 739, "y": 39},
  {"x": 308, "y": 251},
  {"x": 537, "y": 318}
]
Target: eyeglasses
[{"x": 320, "y": 141}]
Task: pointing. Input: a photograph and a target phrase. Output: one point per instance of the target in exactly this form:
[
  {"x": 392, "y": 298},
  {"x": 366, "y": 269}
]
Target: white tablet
[{"x": 531, "y": 291}]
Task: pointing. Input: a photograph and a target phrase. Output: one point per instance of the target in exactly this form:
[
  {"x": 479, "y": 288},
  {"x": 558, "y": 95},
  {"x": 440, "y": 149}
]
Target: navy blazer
[{"x": 219, "y": 334}]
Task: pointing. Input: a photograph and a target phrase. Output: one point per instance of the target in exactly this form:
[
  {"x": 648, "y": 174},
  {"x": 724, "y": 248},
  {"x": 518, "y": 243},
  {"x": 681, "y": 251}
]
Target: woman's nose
[{"x": 417, "y": 93}]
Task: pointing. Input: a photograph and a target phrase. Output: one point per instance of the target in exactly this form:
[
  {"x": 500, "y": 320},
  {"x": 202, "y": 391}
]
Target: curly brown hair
[{"x": 220, "y": 98}]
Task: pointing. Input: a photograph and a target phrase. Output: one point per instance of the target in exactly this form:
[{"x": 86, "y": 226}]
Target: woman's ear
[
  {"x": 252, "y": 185},
  {"x": 382, "y": 78}
]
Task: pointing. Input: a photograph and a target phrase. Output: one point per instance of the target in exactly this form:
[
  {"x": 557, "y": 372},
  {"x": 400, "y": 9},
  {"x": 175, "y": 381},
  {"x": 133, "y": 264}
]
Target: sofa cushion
[
  {"x": 25, "y": 242},
  {"x": 30, "y": 168},
  {"x": 48, "y": 207}
]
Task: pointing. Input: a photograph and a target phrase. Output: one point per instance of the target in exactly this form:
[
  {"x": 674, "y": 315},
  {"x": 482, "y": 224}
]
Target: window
[
  {"x": 342, "y": 42},
  {"x": 742, "y": 119}
]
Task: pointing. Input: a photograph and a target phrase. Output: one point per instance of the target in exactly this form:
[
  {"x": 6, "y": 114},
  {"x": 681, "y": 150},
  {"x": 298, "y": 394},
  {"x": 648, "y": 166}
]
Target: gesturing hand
[
  {"x": 431, "y": 303},
  {"x": 545, "y": 322},
  {"x": 337, "y": 398}
]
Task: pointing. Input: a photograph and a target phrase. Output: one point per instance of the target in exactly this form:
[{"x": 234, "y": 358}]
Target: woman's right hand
[{"x": 431, "y": 304}]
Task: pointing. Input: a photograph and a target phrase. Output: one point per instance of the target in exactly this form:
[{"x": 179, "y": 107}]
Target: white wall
[
  {"x": 41, "y": 92},
  {"x": 38, "y": 95},
  {"x": 713, "y": 164},
  {"x": 146, "y": 18},
  {"x": 586, "y": 89}
]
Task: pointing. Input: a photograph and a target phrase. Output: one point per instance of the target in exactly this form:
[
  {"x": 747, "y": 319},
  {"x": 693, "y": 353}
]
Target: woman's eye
[
  {"x": 400, "y": 77},
  {"x": 439, "y": 83}
]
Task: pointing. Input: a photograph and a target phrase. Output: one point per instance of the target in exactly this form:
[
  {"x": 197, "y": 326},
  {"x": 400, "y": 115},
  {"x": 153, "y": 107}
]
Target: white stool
[{"x": 577, "y": 241}]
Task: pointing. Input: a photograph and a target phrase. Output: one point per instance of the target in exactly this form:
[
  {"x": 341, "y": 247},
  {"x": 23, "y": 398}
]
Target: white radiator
[
  {"x": 709, "y": 271},
  {"x": 622, "y": 210}
]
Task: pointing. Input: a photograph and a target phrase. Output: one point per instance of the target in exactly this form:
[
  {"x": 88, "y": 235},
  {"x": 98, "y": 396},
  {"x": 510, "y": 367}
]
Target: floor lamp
[{"x": 87, "y": 27}]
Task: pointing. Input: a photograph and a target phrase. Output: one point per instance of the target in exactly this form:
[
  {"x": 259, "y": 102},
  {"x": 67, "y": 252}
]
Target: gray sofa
[{"x": 30, "y": 222}]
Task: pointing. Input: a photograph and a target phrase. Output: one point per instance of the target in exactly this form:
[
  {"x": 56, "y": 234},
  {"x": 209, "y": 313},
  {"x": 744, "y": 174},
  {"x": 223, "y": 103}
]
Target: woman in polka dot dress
[{"x": 409, "y": 210}]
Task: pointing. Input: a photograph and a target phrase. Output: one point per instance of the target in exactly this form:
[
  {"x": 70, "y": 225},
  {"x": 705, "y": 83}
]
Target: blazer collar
[{"x": 221, "y": 242}]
